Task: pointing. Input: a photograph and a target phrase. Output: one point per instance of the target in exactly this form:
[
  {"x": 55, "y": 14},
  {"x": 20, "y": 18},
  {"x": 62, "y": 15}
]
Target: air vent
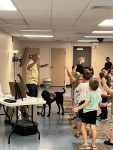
[
  {"x": 80, "y": 33},
  {"x": 101, "y": 7}
]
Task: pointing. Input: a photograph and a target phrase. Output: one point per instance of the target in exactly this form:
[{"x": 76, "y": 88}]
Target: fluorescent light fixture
[
  {"x": 7, "y": 5},
  {"x": 109, "y": 37},
  {"x": 39, "y": 36},
  {"x": 87, "y": 41},
  {"x": 107, "y": 22},
  {"x": 102, "y": 32},
  {"x": 31, "y": 30}
]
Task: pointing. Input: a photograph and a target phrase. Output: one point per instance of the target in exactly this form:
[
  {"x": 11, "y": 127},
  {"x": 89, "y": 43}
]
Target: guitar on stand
[
  {"x": 22, "y": 81},
  {"x": 39, "y": 107}
]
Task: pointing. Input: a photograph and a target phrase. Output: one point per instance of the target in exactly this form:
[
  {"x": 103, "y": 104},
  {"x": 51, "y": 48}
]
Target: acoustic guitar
[{"x": 21, "y": 79}]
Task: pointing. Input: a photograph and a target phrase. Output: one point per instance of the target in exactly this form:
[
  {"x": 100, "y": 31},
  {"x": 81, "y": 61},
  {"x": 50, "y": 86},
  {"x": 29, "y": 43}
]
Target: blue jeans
[{"x": 32, "y": 90}]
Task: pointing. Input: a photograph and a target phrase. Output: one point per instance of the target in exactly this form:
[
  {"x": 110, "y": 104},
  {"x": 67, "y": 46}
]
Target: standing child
[
  {"x": 104, "y": 112},
  {"x": 90, "y": 108},
  {"x": 110, "y": 91},
  {"x": 74, "y": 81},
  {"x": 83, "y": 89}
]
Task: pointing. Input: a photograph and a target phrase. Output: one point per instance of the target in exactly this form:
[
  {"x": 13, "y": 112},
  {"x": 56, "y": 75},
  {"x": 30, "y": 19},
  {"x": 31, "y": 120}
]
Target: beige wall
[
  {"x": 98, "y": 55},
  {"x": 5, "y": 60},
  {"x": 16, "y": 46},
  {"x": 45, "y": 55},
  {"x": 7, "y": 45}
]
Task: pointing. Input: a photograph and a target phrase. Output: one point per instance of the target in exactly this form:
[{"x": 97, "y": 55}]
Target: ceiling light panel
[
  {"x": 103, "y": 32},
  {"x": 98, "y": 37},
  {"x": 38, "y": 36},
  {"x": 87, "y": 41},
  {"x": 7, "y": 5},
  {"x": 28, "y": 30},
  {"x": 37, "y": 33},
  {"x": 107, "y": 22}
]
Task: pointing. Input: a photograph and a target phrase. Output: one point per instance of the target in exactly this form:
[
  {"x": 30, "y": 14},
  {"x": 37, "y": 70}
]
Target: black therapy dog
[{"x": 51, "y": 97}]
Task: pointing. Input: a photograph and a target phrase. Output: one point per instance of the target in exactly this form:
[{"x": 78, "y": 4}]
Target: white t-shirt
[
  {"x": 111, "y": 80},
  {"x": 83, "y": 89}
]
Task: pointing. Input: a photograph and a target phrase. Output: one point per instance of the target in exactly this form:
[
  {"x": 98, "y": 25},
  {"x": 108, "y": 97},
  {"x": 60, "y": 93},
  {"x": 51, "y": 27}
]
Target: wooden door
[{"x": 58, "y": 66}]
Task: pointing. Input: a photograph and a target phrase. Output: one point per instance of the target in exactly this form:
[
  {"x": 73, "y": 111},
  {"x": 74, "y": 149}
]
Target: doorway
[
  {"x": 58, "y": 66},
  {"x": 83, "y": 54}
]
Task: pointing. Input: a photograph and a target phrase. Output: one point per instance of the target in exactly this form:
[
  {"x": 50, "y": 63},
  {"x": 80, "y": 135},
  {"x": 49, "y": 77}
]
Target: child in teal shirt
[{"x": 90, "y": 107}]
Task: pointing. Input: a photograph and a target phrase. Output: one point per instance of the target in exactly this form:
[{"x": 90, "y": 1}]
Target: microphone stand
[
  {"x": 18, "y": 93},
  {"x": 14, "y": 60}
]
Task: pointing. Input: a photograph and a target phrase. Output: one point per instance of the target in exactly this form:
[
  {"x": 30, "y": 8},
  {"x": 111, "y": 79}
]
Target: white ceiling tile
[
  {"x": 38, "y": 21},
  {"x": 65, "y": 14},
  {"x": 10, "y": 14},
  {"x": 70, "y": 4},
  {"x": 39, "y": 27},
  {"x": 97, "y": 14},
  {"x": 19, "y": 27},
  {"x": 63, "y": 22},
  {"x": 32, "y": 4},
  {"x": 14, "y": 21},
  {"x": 36, "y": 14},
  {"x": 61, "y": 27},
  {"x": 82, "y": 30},
  {"x": 70, "y": 19},
  {"x": 64, "y": 32},
  {"x": 87, "y": 23},
  {"x": 13, "y": 27}
]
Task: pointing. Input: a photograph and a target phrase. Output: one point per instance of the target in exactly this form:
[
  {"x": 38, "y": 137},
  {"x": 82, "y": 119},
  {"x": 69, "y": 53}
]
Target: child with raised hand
[
  {"x": 74, "y": 81},
  {"x": 90, "y": 107},
  {"x": 109, "y": 91}
]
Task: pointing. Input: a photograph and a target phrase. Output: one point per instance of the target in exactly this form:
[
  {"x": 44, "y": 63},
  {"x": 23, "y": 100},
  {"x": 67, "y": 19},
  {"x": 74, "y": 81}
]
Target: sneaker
[
  {"x": 85, "y": 147},
  {"x": 99, "y": 116},
  {"x": 94, "y": 148},
  {"x": 107, "y": 142},
  {"x": 73, "y": 118},
  {"x": 103, "y": 119}
]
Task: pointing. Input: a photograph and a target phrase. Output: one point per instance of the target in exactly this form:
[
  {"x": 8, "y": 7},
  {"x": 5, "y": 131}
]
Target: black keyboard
[{"x": 9, "y": 100}]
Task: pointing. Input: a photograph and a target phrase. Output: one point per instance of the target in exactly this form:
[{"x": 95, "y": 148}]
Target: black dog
[{"x": 51, "y": 97}]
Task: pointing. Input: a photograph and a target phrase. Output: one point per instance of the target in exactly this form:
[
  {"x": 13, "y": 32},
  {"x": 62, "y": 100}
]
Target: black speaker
[
  {"x": 100, "y": 40},
  {"x": 25, "y": 127}
]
